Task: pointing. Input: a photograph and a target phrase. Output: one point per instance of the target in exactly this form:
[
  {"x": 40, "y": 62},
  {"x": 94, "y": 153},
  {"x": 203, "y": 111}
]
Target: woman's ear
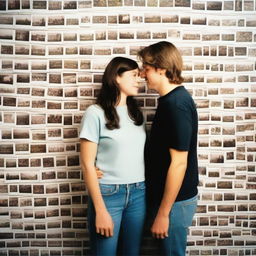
[{"x": 118, "y": 79}]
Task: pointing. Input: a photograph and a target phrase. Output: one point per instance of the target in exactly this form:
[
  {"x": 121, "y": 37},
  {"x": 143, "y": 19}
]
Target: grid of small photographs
[{"x": 52, "y": 58}]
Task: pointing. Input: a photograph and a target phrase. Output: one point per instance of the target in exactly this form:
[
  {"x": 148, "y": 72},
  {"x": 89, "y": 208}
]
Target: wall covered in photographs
[{"x": 52, "y": 56}]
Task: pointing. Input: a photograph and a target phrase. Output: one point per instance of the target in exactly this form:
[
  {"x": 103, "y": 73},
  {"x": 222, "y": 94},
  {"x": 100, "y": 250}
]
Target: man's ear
[{"x": 161, "y": 71}]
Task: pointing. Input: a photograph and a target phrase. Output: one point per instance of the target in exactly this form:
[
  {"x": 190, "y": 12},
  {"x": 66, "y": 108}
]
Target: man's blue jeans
[
  {"x": 181, "y": 217},
  {"x": 126, "y": 205}
]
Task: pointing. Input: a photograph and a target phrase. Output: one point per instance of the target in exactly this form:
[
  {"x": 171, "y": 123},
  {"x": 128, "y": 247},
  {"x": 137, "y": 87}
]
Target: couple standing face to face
[{"x": 128, "y": 82}]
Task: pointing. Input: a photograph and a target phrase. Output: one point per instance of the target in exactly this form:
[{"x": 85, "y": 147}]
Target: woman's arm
[{"x": 104, "y": 224}]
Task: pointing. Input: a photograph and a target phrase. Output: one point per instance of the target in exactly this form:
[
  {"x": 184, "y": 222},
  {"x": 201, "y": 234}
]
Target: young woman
[{"x": 112, "y": 138}]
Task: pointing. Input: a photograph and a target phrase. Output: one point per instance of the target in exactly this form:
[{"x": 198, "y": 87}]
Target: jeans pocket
[
  {"x": 189, "y": 209},
  {"x": 108, "y": 190}
]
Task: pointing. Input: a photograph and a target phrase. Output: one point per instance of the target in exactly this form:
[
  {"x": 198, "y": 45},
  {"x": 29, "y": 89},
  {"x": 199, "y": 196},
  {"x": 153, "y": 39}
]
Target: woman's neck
[{"x": 122, "y": 101}]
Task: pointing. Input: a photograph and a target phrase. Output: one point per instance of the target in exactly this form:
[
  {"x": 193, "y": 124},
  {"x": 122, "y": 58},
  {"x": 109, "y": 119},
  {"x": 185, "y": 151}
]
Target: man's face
[{"x": 151, "y": 75}]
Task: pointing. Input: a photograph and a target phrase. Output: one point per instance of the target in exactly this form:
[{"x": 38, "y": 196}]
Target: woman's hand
[
  {"x": 99, "y": 173},
  {"x": 104, "y": 224}
]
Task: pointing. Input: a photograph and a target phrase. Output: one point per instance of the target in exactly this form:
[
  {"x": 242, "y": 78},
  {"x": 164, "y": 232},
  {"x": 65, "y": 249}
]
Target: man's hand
[
  {"x": 104, "y": 224},
  {"x": 99, "y": 173},
  {"x": 160, "y": 227}
]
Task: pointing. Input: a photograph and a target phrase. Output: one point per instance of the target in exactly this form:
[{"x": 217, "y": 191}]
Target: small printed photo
[
  {"x": 39, "y": 77},
  {"x": 21, "y": 65},
  {"x": 6, "y": 79},
  {"x": 84, "y": 78},
  {"x": 71, "y": 64},
  {"x": 39, "y": 92},
  {"x": 38, "y": 148},
  {"x": 39, "y": 4},
  {"x": 71, "y": 92},
  {"x": 38, "y": 65},
  {"x": 22, "y": 49},
  {"x": 54, "y": 5},
  {"x": 54, "y": 133},
  {"x": 23, "y": 90},
  {"x": 9, "y": 101},
  {"x": 13, "y": 4},
  {"x": 71, "y": 50},
  {"x": 38, "y": 135},
  {"x": 7, "y": 64},
  {"x": 55, "y": 64},
  {"x": 70, "y": 5},
  {"x": 72, "y": 21},
  {"x": 38, "y": 104},
  {"x": 23, "y": 78},
  {"x": 23, "y": 20},
  {"x": 54, "y": 37},
  {"x": 69, "y": 78},
  {"x": 3, "y": 5},
  {"x": 38, "y": 50},
  {"x": 21, "y": 134},
  {"x": 23, "y": 103},
  {"x": 25, "y": 4},
  {"x": 85, "y": 50},
  {"x": 55, "y": 50},
  {"x": 85, "y": 92},
  {"x": 55, "y": 78},
  {"x": 22, "y": 119},
  {"x": 70, "y": 36},
  {"x": 216, "y": 143},
  {"x": 38, "y": 119},
  {"x": 22, "y": 35},
  {"x": 229, "y": 143},
  {"x": 85, "y": 64},
  {"x": 70, "y": 133},
  {"x": 56, "y": 119},
  {"x": 38, "y": 21},
  {"x": 78, "y": 118},
  {"x": 71, "y": 105},
  {"x": 6, "y": 34},
  {"x": 56, "y": 20},
  {"x": 242, "y": 102},
  {"x": 38, "y": 36},
  {"x": 6, "y": 20},
  {"x": 84, "y": 4},
  {"x": 87, "y": 36},
  {"x": 55, "y": 92},
  {"x": 216, "y": 158}
]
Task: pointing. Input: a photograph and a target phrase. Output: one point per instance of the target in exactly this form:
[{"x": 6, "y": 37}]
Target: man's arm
[
  {"x": 104, "y": 223},
  {"x": 174, "y": 179}
]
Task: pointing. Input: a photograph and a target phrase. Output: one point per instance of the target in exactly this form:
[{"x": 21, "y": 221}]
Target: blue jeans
[
  {"x": 181, "y": 217},
  {"x": 126, "y": 205}
]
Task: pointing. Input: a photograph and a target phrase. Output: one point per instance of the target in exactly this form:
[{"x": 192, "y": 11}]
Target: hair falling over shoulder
[{"x": 109, "y": 94}]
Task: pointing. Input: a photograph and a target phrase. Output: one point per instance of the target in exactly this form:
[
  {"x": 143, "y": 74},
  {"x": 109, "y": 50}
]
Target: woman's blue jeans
[
  {"x": 181, "y": 217},
  {"x": 126, "y": 205}
]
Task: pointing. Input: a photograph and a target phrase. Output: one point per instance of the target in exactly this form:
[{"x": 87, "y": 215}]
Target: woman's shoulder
[{"x": 94, "y": 108}]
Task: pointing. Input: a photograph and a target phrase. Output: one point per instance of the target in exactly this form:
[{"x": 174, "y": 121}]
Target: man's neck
[{"x": 166, "y": 88}]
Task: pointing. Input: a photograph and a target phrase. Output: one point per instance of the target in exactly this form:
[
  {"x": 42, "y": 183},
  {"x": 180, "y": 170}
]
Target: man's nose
[{"x": 142, "y": 73}]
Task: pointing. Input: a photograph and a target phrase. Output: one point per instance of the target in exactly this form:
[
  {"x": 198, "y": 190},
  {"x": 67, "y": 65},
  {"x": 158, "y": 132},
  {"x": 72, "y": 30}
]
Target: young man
[{"x": 171, "y": 155}]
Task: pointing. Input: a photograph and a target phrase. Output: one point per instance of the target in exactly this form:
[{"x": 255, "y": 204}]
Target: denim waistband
[{"x": 130, "y": 185}]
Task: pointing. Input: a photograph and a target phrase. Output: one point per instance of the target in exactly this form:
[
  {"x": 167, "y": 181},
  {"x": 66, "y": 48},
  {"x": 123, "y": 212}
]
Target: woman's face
[{"x": 128, "y": 82}]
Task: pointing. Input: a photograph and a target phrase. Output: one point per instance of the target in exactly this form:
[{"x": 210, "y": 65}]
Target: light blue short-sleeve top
[{"x": 120, "y": 152}]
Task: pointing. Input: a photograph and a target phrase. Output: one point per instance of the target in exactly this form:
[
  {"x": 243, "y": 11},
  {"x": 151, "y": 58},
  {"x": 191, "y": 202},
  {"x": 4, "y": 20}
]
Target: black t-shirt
[{"x": 175, "y": 126}]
